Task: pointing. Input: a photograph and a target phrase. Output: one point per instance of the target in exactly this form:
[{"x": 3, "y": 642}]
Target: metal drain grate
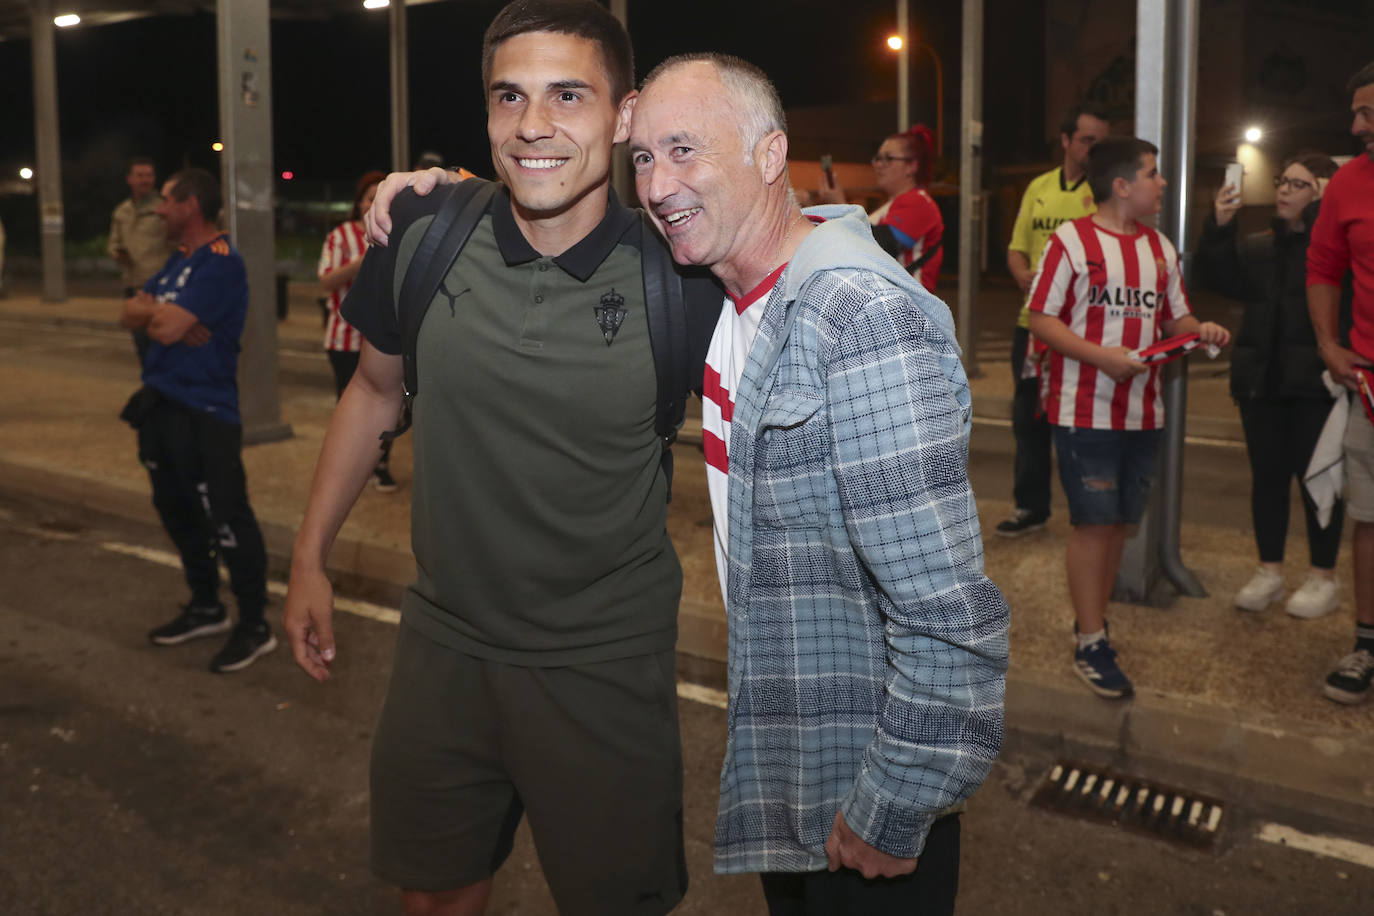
[{"x": 1103, "y": 795}]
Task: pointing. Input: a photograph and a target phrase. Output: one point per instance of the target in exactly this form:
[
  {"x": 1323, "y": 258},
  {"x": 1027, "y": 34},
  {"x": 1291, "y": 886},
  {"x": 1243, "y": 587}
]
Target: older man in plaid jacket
[{"x": 868, "y": 650}]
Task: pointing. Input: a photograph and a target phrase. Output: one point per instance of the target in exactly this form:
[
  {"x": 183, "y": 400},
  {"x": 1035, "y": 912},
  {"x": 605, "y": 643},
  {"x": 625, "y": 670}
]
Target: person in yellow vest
[{"x": 1057, "y": 196}]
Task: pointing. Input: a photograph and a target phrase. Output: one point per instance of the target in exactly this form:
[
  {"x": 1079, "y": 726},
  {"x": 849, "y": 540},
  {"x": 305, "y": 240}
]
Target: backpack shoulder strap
[
  {"x": 665, "y": 305},
  {"x": 926, "y": 255},
  {"x": 458, "y": 215}
]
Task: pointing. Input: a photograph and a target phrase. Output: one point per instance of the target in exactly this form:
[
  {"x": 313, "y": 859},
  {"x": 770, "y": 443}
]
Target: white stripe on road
[
  {"x": 348, "y": 605},
  {"x": 694, "y": 693},
  {"x": 1332, "y": 847}
]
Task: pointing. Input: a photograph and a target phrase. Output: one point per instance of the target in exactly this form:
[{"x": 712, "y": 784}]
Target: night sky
[{"x": 149, "y": 86}]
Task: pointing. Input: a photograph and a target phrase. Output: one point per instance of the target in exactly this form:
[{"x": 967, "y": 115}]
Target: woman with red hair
[{"x": 909, "y": 225}]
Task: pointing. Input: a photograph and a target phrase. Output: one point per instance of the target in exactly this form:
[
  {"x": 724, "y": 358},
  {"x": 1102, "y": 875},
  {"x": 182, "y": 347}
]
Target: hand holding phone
[{"x": 1235, "y": 176}]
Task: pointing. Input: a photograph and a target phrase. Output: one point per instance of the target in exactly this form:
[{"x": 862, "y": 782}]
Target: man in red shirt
[{"x": 1343, "y": 239}]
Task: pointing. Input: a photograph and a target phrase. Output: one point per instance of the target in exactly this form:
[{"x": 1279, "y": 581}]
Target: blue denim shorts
[{"x": 1106, "y": 473}]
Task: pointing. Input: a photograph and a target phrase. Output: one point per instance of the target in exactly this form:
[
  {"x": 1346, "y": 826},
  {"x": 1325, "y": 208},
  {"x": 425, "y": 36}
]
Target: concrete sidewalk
[{"x": 1228, "y": 694}]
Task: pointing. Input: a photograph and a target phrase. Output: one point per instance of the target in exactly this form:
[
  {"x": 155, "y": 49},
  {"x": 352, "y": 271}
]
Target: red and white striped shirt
[
  {"x": 1113, "y": 290},
  {"x": 725, "y": 359},
  {"x": 345, "y": 244}
]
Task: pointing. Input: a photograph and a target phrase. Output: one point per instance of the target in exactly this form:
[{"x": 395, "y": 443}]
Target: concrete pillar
[
  {"x": 400, "y": 88},
  {"x": 48, "y": 168},
  {"x": 245, "y": 117},
  {"x": 1165, "y": 112},
  {"x": 970, "y": 180}
]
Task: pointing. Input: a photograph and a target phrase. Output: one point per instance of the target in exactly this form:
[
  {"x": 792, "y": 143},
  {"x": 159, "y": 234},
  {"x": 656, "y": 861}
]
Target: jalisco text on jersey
[{"x": 1126, "y": 296}]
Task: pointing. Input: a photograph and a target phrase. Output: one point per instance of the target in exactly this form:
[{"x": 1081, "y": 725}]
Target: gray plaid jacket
[{"x": 867, "y": 651}]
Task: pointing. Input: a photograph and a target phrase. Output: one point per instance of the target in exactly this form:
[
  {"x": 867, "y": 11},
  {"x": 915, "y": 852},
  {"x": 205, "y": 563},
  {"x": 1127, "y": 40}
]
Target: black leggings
[{"x": 1280, "y": 434}]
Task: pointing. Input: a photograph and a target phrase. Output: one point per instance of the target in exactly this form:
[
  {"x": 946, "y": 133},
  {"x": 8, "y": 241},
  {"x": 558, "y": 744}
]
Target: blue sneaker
[{"x": 1097, "y": 666}]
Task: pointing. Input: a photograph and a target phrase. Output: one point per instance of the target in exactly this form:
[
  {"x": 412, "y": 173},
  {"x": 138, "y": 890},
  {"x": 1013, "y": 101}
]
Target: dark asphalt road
[{"x": 132, "y": 781}]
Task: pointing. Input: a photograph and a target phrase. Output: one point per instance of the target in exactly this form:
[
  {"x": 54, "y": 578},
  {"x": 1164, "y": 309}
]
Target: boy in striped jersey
[{"x": 1108, "y": 285}]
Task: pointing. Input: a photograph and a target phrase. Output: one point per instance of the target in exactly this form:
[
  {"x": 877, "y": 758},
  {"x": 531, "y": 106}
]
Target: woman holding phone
[
  {"x": 1276, "y": 375},
  {"x": 908, "y": 225}
]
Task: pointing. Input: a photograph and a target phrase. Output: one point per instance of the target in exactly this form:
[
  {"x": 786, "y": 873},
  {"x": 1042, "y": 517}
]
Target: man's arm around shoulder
[{"x": 369, "y": 406}]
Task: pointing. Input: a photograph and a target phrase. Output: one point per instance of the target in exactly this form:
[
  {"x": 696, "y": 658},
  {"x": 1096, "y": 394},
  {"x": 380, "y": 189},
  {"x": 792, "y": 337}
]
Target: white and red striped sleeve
[
  {"x": 1052, "y": 287},
  {"x": 1175, "y": 304}
]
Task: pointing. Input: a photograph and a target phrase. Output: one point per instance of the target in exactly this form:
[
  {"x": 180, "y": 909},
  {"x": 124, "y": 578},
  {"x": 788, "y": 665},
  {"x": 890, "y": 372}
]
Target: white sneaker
[
  {"x": 1318, "y": 596},
  {"x": 1263, "y": 589}
]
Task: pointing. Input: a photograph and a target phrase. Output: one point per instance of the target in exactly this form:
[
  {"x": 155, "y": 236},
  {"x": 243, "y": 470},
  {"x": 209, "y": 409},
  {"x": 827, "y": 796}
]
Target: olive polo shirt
[{"x": 539, "y": 506}]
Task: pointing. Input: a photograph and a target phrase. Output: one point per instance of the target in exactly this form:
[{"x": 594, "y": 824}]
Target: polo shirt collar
[{"x": 581, "y": 260}]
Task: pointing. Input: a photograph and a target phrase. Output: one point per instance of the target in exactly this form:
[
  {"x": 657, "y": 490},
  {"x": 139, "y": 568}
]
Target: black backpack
[{"x": 460, "y": 210}]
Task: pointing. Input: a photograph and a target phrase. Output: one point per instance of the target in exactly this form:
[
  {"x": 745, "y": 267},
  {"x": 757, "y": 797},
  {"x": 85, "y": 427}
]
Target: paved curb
[
  {"x": 985, "y": 407},
  {"x": 1155, "y": 731},
  {"x": 1325, "y": 772}
]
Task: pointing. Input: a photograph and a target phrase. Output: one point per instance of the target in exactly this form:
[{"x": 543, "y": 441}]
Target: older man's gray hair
[{"x": 751, "y": 93}]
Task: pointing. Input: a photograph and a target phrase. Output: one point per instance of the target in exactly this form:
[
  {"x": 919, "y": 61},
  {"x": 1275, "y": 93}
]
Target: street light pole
[
  {"x": 939, "y": 100},
  {"x": 904, "y": 49},
  {"x": 400, "y": 86},
  {"x": 903, "y": 68}
]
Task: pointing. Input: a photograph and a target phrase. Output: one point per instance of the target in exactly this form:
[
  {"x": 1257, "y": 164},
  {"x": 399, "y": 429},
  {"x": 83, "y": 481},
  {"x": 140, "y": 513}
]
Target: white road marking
[
  {"x": 43, "y": 533},
  {"x": 707, "y": 696},
  {"x": 348, "y": 605},
  {"x": 694, "y": 693},
  {"x": 1332, "y": 847}
]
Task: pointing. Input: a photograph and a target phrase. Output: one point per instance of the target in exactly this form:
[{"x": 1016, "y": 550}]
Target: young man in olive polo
[{"x": 534, "y": 667}]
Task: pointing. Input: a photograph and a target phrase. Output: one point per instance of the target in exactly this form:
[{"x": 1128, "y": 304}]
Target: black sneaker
[
  {"x": 383, "y": 481},
  {"x": 1022, "y": 521},
  {"x": 194, "y": 623},
  {"x": 246, "y": 644},
  {"x": 1349, "y": 681}
]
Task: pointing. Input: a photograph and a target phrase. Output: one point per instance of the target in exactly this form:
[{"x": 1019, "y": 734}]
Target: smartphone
[
  {"x": 828, "y": 170},
  {"x": 1235, "y": 173}
]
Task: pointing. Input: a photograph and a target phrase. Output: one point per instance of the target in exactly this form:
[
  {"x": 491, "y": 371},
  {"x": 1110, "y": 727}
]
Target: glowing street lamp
[
  {"x": 66, "y": 20},
  {"x": 217, "y": 146},
  {"x": 26, "y": 173},
  {"x": 894, "y": 42},
  {"x": 376, "y": 4},
  {"x": 1253, "y": 134}
]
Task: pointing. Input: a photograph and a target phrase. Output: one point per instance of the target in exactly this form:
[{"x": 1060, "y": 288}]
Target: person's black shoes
[
  {"x": 1022, "y": 521},
  {"x": 246, "y": 645},
  {"x": 194, "y": 623},
  {"x": 382, "y": 480}
]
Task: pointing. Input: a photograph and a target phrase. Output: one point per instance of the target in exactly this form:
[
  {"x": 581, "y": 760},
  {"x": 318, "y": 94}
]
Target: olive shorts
[{"x": 590, "y": 753}]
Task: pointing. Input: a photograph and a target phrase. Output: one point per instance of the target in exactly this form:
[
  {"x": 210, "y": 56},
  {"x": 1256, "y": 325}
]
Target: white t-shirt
[{"x": 725, "y": 360}]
